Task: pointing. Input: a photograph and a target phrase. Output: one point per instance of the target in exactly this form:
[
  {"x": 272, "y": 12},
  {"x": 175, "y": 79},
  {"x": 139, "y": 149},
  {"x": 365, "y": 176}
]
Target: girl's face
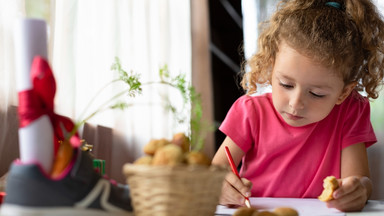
[{"x": 304, "y": 92}]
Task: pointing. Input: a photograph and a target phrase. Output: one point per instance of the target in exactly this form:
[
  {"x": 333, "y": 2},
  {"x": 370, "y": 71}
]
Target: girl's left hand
[{"x": 350, "y": 196}]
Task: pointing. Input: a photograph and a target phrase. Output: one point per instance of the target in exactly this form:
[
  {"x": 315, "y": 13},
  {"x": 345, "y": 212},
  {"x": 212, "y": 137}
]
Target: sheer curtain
[
  {"x": 146, "y": 35},
  {"x": 9, "y": 12},
  {"x": 255, "y": 12}
]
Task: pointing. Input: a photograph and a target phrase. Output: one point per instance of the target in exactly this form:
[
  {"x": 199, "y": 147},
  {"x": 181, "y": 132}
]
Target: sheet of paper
[
  {"x": 373, "y": 208},
  {"x": 30, "y": 38},
  {"x": 35, "y": 139},
  {"x": 305, "y": 207}
]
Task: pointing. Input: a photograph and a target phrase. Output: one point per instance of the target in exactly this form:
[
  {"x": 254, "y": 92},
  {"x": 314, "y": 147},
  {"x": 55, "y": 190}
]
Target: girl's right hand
[{"x": 234, "y": 190}]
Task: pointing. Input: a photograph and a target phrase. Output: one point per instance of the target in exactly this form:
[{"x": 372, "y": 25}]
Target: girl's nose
[{"x": 297, "y": 101}]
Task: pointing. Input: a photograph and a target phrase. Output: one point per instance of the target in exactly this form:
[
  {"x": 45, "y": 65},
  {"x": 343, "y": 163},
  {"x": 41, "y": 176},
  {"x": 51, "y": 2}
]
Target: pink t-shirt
[{"x": 286, "y": 161}]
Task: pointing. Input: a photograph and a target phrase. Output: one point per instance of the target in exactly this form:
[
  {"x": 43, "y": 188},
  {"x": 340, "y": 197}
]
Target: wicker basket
[{"x": 177, "y": 191}]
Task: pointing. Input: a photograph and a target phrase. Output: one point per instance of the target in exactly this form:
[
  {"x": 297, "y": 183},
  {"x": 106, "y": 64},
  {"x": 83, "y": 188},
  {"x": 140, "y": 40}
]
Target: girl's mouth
[{"x": 293, "y": 117}]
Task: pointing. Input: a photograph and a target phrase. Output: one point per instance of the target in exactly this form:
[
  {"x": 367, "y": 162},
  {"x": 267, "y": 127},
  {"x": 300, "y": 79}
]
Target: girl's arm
[
  {"x": 220, "y": 157},
  {"x": 234, "y": 189},
  {"x": 355, "y": 185}
]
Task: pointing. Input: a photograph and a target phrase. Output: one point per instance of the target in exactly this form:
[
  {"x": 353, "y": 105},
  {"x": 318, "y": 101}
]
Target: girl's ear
[{"x": 346, "y": 91}]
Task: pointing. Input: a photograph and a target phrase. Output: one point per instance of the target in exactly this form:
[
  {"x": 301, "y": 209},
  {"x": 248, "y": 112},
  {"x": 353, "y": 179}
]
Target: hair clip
[{"x": 334, "y": 4}]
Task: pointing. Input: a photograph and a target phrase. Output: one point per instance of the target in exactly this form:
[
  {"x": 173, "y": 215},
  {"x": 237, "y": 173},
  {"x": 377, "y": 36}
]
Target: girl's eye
[
  {"x": 317, "y": 95},
  {"x": 286, "y": 86}
]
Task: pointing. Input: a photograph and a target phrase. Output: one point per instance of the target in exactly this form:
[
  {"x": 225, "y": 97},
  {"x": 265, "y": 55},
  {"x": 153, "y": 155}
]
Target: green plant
[
  {"x": 198, "y": 127},
  {"x": 191, "y": 101}
]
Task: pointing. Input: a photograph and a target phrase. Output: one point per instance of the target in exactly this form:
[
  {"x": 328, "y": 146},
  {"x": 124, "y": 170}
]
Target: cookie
[{"x": 330, "y": 185}]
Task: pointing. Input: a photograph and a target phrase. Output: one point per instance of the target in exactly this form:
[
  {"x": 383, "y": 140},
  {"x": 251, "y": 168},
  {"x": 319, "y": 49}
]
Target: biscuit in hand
[{"x": 330, "y": 185}]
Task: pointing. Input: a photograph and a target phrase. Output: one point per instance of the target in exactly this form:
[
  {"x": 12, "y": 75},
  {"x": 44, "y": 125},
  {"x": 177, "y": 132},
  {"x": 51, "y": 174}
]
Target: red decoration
[{"x": 39, "y": 101}]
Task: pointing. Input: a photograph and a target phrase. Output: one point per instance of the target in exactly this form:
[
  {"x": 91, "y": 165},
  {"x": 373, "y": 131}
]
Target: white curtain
[
  {"x": 9, "y": 12},
  {"x": 84, "y": 38},
  {"x": 255, "y": 12},
  {"x": 145, "y": 34}
]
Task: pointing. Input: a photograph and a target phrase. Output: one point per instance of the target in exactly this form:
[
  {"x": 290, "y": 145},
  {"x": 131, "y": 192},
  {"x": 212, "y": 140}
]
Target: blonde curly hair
[{"x": 349, "y": 39}]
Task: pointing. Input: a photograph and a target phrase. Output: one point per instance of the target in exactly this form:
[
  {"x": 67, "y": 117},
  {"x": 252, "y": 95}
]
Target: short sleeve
[
  {"x": 357, "y": 127},
  {"x": 240, "y": 123}
]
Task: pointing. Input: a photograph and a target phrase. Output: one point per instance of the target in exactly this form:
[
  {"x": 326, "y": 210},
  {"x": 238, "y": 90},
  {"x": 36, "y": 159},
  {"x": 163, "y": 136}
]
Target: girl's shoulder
[
  {"x": 254, "y": 104},
  {"x": 355, "y": 110},
  {"x": 260, "y": 99},
  {"x": 355, "y": 99},
  {"x": 246, "y": 102}
]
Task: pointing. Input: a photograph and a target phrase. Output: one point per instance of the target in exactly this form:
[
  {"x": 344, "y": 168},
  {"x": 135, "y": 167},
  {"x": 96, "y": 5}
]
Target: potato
[
  {"x": 285, "y": 211},
  {"x": 245, "y": 211},
  {"x": 181, "y": 140},
  {"x": 147, "y": 160},
  {"x": 170, "y": 154},
  {"x": 195, "y": 157},
  {"x": 264, "y": 213},
  {"x": 154, "y": 144}
]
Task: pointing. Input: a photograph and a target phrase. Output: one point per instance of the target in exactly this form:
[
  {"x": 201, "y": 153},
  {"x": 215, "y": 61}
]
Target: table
[{"x": 306, "y": 207}]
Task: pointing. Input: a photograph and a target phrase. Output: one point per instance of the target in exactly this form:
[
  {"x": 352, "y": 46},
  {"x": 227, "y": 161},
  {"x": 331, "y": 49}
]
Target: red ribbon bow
[{"x": 39, "y": 101}]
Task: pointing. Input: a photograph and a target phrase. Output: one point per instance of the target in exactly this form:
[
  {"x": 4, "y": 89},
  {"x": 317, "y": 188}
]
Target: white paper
[
  {"x": 305, "y": 207},
  {"x": 30, "y": 38},
  {"x": 372, "y": 208},
  {"x": 36, "y": 139}
]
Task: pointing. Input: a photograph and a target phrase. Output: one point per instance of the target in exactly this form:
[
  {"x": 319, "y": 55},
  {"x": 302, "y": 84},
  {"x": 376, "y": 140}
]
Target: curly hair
[{"x": 349, "y": 39}]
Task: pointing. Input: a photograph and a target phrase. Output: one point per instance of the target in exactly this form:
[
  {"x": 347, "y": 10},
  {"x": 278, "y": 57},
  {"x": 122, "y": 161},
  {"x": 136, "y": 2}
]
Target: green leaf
[
  {"x": 164, "y": 73},
  {"x": 130, "y": 78}
]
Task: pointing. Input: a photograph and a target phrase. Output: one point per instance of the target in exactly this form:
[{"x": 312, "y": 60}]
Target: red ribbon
[{"x": 39, "y": 101}]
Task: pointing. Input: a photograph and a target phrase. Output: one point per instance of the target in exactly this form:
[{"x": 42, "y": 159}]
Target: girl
[{"x": 316, "y": 55}]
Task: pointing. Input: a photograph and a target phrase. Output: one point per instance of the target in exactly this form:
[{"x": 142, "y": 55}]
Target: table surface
[{"x": 306, "y": 207}]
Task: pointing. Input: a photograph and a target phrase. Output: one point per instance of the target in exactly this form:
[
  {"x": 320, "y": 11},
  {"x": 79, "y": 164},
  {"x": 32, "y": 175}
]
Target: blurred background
[{"x": 207, "y": 41}]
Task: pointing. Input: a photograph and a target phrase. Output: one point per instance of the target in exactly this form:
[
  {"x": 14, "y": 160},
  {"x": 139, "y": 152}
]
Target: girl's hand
[
  {"x": 234, "y": 190},
  {"x": 351, "y": 195}
]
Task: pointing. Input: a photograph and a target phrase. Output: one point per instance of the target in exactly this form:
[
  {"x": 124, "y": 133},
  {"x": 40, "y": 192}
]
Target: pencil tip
[{"x": 247, "y": 203}]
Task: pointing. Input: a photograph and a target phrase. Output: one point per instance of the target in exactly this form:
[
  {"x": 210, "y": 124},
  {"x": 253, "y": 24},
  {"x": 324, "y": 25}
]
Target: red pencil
[{"x": 234, "y": 170}]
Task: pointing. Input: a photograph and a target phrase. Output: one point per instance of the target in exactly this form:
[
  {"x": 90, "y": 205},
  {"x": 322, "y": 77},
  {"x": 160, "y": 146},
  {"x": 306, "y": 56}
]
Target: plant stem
[
  {"x": 101, "y": 108},
  {"x": 95, "y": 96}
]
